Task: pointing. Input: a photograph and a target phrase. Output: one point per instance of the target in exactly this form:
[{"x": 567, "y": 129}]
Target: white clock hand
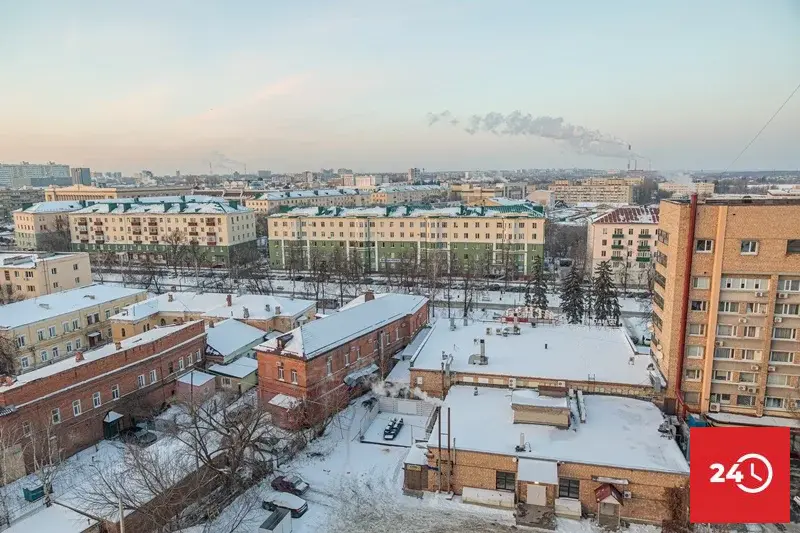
[{"x": 753, "y": 472}]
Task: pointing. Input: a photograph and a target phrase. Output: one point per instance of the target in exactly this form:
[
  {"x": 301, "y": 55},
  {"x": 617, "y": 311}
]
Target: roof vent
[
  {"x": 90, "y": 296},
  {"x": 267, "y": 308},
  {"x": 44, "y": 306},
  {"x": 245, "y": 312},
  {"x": 277, "y": 309}
]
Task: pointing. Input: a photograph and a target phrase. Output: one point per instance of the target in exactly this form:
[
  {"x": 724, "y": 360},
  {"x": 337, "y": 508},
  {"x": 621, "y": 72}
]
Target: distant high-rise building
[
  {"x": 81, "y": 176},
  {"x": 264, "y": 174},
  {"x": 413, "y": 175},
  {"x": 309, "y": 176},
  {"x": 26, "y": 174}
]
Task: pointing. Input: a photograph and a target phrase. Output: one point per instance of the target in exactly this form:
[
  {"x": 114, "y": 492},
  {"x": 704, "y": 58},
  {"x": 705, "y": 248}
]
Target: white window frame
[
  {"x": 328, "y": 366},
  {"x": 153, "y": 376},
  {"x": 704, "y": 246},
  {"x": 785, "y": 378},
  {"x": 702, "y": 329},
  {"x": 281, "y": 373},
  {"x": 55, "y": 416},
  {"x": 790, "y": 357},
  {"x": 115, "y": 392},
  {"x": 97, "y": 400},
  {"x": 76, "y": 408},
  {"x": 748, "y": 247},
  {"x": 180, "y": 363},
  {"x": 140, "y": 381},
  {"x": 293, "y": 375},
  {"x": 728, "y": 373},
  {"x": 692, "y": 374},
  {"x": 781, "y": 400},
  {"x": 691, "y": 347},
  {"x": 701, "y": 282}
]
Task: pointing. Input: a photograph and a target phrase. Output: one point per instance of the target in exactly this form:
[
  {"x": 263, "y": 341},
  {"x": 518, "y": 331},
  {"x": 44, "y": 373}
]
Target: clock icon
[{"x": 757, "y": 470}]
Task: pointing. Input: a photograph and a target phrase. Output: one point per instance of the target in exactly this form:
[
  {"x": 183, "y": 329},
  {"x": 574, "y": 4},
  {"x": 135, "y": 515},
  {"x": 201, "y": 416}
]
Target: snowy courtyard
[{"x": 413, "y": 429}]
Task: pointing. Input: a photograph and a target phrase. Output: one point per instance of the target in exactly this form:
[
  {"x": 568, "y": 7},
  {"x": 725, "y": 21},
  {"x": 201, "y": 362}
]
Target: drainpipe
[{"x": 687, "y": 280}]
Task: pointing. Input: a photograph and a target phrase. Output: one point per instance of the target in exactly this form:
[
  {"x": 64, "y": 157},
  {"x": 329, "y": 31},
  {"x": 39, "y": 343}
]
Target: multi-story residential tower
[
  {"x": 30, "y": 275},
  {"x": 34, "y": 224},
  {"x": 87, "y": 192},
  {"x": 81, "y": 176},
  {"x": 506, "y": 238},
  {"x": 626, "y": 238},
  {"x": 597, "y": 190},
  {"x": 725, "y": 308},
  {"x": 702, "y": 188},
  {"x": 26, "y": 174},
  {"x": 13, "y": 199}
]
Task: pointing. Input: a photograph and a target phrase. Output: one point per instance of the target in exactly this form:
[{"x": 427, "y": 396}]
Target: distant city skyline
[{"x": 310, "y": 84}]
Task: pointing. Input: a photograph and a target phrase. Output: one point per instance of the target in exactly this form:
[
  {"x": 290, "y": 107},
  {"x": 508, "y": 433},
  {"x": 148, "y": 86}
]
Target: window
[
  {"x": 226, "y": 382},
  {"x": 793, "y": 246},
  {"x": 140, "y": 380},
  {"x": 691, "y": 397},
  {"x": 76, "y": 408},
  {"x": 281, "y": 375},
  {"x": 697, "y": 329},
  {"x": 703, "y": 245},
  {"x": 96, "y": 400},
  {"x": 726, "y": 330},
  {"x": 329, "y": 366},
  {"x": 692, "y": 374},
  {"x": 723, "y": 353},
  {"x": 781, "y": 357},
  {"x": 569, "y": 488},
  {"x": 506, "y": 481},
  {"x": 108, "y": 314},
  {"x": 76, "y": 324},
  {"x": 694, "y": 351},
  {"x": 51, "y": 331},
  {"x": 293, "y": 373},
  {"x": 750, "y": 331},
  {"x": 748, "y": 247},
  {"x": 153, "y": 376},
  {"x": 170, "y": 368},
  {"x": 180, "y": 364},
  {"x": 778, "y": 380},
  {"x": 721, "y": 398},
  {"x": 701, "y": 282},
  {"x": 75, "y": 266},
  {"x": 787, "y": 309},
  {"x": 754, "y": 308},
  {"x": 115, "y": 392},
  {"x": 55, "y": 352},
  {"x": 347, "y": 358},
  {"x": 771, "y": 402},
  {"x": 65, "y": 327},
  {"x": 729, "y": 307},
  {"x": 721, "y": 375},
  {"x": 747, "y": 377},
  {"x": 77, "y": 344},
  {"x": 745, "y": 401},
  {"x": 699, "y": 305},
  {"x": 40, "y": 334},
  {"x": 189, "y": 360},
  {"x": 197, "y": 356},
  {"x": 751, "y": 355},
  {"x": 55, "y": 416},
  {"x": 745, "y": 283},
  {"x": 792, "y": 285},
  {"x": 784, "y": 333},
  {"x": 21, "y": 341},
  {"x": 26, "y": 429}
]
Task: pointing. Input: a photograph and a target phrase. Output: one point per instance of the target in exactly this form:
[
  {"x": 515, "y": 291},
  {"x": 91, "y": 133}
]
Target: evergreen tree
[
  {"x": 606, "y": 302},
  {"x": 539, "y": 297},
  {"x": 572, "y": 304}
]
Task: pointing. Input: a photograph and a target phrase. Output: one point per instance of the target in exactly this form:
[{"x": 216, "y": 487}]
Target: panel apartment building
[
  {"x": 726, "y": 306},
  {"x": 271, "y": 202},
  {"x": 626, "y": 238},
  {"x": 31, "y": 275},
  {"x": 508, "y": 237},
  {"x": 88, "y": 192},
  {"x": 594, "y": 190},
  {"x": 13, "y": 199},
  {"x": 148, "y": 226},
  {"x": 34, "y": 222},
  {"x": 27, "y": 174}
]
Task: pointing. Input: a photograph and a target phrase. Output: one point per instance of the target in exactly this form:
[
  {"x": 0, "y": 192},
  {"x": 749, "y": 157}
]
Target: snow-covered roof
[
  {"x": 29, "y": 259},
  {"x": 282, "y": 400},
  {"x": 639, "y": 214},
  {"x": 195, "y": 378},
  {"x": 229, "y": 336},
  {"x": 310, "y": 193},
  {"x": 534, "y": 399},
  {"x": 747, "y": 420},
  {"x": 401, "y": 373},
  {"x": 241, "y": 368},
  {"x": 358, "y": 300},
  {"x": 203, "y": 205},
  {"x": 96, "y": 354},
  {"x": 215, "y": 305},
  {"x": 573, "y": 352},
  {"x": 417, "y": 455},
  {"x": 618, "y": 432},
  {"x": 525, "y": 209},
  {"x": 53, "y": 305},
  {"x": 54, "y": 518},
  {"x": 64, "y": 206},
  {"x": 325, "y": 334},
  {"x": 411, "y": 188}
]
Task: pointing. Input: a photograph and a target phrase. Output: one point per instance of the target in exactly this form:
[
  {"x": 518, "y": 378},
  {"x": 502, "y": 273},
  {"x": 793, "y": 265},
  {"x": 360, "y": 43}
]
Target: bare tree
[
  {"x": 9, "y": 294},
  {"x": 56, "y": 239},
  {"x": 42, "y": 447},
  {"x": 294, "y": 261},
  {"x": 319, "y": 272},
  {"x": 175, "y": 249},
  {"x": 9, "y": 352}
]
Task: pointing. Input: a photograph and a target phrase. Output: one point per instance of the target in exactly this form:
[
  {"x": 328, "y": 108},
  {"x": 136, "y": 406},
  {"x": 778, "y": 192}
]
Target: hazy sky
[{"x": 305, "y": 84}]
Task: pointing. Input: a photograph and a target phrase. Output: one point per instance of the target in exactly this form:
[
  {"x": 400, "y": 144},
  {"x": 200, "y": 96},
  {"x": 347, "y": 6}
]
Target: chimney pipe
[
  {"x": 78, "y": 357},
  {"x": 211, "y": 325},
  {"x": 246, "y": 312},
  {"x": 545, "y": 346},
  {"x": 483, "y": 348},
  {"x": 369, "y": 296},
  {"x": 170, "y": 297},
  {"x": 522, "y": 440},
  {"x": 118, "y": 345},
  {"x": 277, "y": 309},
  {"x": 229, "y": 300}
]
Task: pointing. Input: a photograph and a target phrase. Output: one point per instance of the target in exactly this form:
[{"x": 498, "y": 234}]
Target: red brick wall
[{"x": 80, "y": 383}]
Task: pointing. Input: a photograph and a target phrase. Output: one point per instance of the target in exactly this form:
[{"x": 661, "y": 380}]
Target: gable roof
[
  {"x": 629, "y": 215},
  {"x": 230, "y": 335}
]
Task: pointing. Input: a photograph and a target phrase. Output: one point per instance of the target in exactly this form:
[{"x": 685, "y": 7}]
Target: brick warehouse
[
  {"x": 95, "y": 394},
  {"x": 312, "y": 371}
]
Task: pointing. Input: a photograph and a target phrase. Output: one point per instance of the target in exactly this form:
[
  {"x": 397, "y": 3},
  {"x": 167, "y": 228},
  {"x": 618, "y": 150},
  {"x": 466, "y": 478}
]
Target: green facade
[{"x": 214, "y": 254}]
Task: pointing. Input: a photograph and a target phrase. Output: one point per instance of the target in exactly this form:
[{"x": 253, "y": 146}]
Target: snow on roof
[
  {"x": 417, "y": 455},
  {"x": 54, "y": 518},
  {"x": 195, "y": 378},
  {"x": 282, "y": 400},
  {"x": 218, "y": 206},
  {"x": 573, "y": 352},
  {"x": 410, "y": 188},
  {"x": 53, "y": 207},
  {"x": 53, "y": 305},
  {"x": 98, "y": 353},
  {"x": 629, "y": 215},
  {"x": 525, "y": 209},
  {"x": 215, "y": 304},
  {"x": 401, "y": 373},
  {"x": 229, "y": 336},
  {"x": 533, "y": 398},
  {"x": 241, "y": 368},
  {"x": 746, "y": 420},
  {"x": 618, "y": 432},
  {"x": 29, "y": 259},
  {"x": 537, "y": 471},
  {"x": 358, "y": 300},
  {"x": 309, "y": 193},
  {"x": 325, "y": 334}
]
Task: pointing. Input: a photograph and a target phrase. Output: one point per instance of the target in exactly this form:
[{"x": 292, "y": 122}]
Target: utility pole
[{"x": 121, "y": 515}]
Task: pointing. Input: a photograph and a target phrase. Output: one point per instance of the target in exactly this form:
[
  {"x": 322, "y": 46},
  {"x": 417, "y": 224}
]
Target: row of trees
[{"x": 598, "y": 301}]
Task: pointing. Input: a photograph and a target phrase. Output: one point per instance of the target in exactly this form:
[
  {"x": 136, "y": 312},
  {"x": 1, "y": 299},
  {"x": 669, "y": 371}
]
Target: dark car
[
  {"x": 292, "y": 484},
  {"x": 141, "y": 437},
  {"x": 392, "y": 429}
]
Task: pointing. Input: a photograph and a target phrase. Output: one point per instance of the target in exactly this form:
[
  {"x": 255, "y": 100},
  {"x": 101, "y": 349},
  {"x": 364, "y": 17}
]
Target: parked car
[
  {"x": 296, "y": 506},
  {"x": 293, "y": 484},
  {"x": 392, "y": 429},
  {"x": 142, "y": 437}
]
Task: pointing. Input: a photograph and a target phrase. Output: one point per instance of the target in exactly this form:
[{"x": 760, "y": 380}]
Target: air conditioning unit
[
  {"x": 742, "y": 387},
  {"x": 778, "y": 319},
  {"x": 713, "y": 407},
  {"x": 771, "y": 368},
  {"x": 562, "y": 384},
  {"x": 743, "y": 321},
  {"x": 719, "y": 343},
  {"x": 626, "y": 494},
  {"x": 752, "y": 390},
  {"x": 759, "y": 295},
  {"x": 512, "y": 383},
  {"x": 783, "y": 295},
  {"x": 753, "y": 367}
]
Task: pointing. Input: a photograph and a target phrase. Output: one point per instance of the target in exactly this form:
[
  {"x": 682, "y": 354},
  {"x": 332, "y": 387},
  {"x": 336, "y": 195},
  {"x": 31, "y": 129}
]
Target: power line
[{"x": 763, "y": 128}]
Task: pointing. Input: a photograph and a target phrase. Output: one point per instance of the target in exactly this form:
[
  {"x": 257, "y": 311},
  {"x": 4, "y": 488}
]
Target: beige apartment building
[
  {"x": 88, "y": 192},
  {"x": 505, "y": 237},
  {"x": 271, "y": 202},
  {"x": 33, "y": 222},
  {"x": 150, "y": 226},
  {"x": 38, "y": 332},
  {"x": 726, "y": 306},
  {"x": 31, "y": 275},
  {"x": 407, "y": 194},
  {"x": 626, "y": 238},
  {"x": 701, "y": 188},
  {"x": 594, "y": 190},
  {"x": 13, "y": 199},
  {"x": 476, "y": 194}
]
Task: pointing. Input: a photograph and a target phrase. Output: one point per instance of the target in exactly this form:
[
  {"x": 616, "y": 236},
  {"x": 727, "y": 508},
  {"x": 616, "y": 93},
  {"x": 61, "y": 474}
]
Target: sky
[{"x": 310, "y": 84}]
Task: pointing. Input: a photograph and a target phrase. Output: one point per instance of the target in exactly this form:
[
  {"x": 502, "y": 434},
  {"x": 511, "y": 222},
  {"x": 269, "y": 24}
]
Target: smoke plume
[{"x": 516, "y": 123}]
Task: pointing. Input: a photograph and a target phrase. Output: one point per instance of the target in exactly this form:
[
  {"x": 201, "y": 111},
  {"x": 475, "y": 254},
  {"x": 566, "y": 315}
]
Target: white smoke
[
  {"x": 579, "y": 139},
  {"x": 394, "y": 390}
]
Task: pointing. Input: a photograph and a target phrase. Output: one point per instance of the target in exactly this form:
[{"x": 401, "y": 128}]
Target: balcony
[
  {"x": 617, "y": 246},
  {"x": 153, "y": 231},
  {"x": 152, "y": 223},
  {"x": 660, "y": 279},
  {"x": 211, "y": 222},
  {"x": 136, "y": 222},
  {"x": 135, "y": 241},
  {"x": 84, "y": 232},
  {"x": 99, "y": 241},
  {"x": 618, "y": 236},
  {"x": 643, "y": 248},
  {"x": 643, "y": 259},
  {"x": 194, "y": 242},
  {"x": 661, "y": 259},
  {"x": 211, "y": 241},
  {"x": 137, "y": 231},
  {"x": 84, "y": 241},
  {"x": 82, "y": 221},
  {"x": 98, "y": 232},
  {"x": 98, "y": 223},
  {"x": 192, "y": 224},
  {"x": 82, "y": 227}
]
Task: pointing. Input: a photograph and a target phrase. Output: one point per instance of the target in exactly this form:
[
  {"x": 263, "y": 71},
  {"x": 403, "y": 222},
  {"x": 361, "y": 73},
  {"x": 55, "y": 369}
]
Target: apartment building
[
  {"x": 88, "y": 192},
  {"x": 407, "y": 194},
  {"x": 314, "y": 370},
  {"x": 94, "y": 393},
  {"x": 33, "y": 222},
  {"x": 146, "y": 227},
  {"x": 626, "y": 238},
  {"x": 726, "y": 306},
  {"x": 38, "y": 332},
  {"x": 595, "y": 190},
  {"x": 701, "y": 188},
  {"x": 475, "y": 194},
  {"x": 30, "y": 174},
  {"x": 506, "y": 238},
  {"x": 271, "y": 202},
  {"x": 13, "y": 199},
  {"x": 30, "y": 275}
]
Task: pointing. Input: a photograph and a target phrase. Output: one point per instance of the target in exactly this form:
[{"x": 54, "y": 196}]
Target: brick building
[
  {"x": 501, "y": 447},
  {"x": 95, "y": 394},
  {"x": 313, "y": 370}
]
